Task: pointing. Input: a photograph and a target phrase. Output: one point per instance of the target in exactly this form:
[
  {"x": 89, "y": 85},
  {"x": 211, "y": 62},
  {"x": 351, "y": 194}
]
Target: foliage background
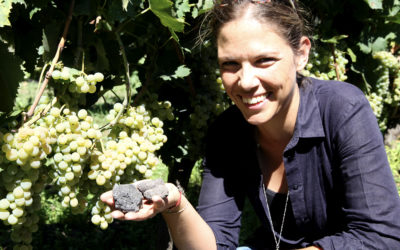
[{"x": 158, "y": 37}]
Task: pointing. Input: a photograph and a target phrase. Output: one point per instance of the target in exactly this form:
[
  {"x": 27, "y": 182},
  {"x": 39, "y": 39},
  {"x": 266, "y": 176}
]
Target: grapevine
[
  {"x": 386, "y": 92},
  {"x": 326, "y": 65}
]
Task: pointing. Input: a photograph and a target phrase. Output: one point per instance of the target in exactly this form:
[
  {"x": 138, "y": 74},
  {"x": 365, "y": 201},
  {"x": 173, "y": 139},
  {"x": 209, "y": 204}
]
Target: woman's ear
[{"x": 303, "y": 52}]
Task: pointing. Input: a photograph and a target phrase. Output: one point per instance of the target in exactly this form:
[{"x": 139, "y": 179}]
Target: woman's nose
[{"x": 248, "y": 79}]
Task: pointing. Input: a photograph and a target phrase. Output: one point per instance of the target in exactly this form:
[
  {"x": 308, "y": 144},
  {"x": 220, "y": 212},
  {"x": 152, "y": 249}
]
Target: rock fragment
[{"x": 127, "y": 198}]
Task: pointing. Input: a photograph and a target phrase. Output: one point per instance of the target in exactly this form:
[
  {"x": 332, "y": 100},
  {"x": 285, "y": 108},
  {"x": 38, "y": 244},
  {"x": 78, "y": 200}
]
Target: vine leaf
[
  {"x": 5, "y": 9},
  {"x": 181, "y": 72},
  {"x": 162, "y": 9},
  {"x": 10, "y": 77},
  {"x": 125, "y": 4},
  {"x": 374, "y": 4},
  {"x": 335, "y": 39}
]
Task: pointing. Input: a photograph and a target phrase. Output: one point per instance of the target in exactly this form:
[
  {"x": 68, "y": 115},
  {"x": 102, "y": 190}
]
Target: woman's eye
[
  {"x": 229, "y": 65},
  {"x": 265, "y": 60}
]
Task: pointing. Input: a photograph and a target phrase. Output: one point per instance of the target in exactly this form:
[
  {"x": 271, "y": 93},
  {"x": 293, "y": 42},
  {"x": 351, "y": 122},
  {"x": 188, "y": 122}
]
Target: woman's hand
[{"x": 149, "y": 208}]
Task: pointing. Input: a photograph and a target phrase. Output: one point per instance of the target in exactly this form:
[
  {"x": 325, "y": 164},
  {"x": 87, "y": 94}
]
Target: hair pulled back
[{"x": 286, "y": 15}]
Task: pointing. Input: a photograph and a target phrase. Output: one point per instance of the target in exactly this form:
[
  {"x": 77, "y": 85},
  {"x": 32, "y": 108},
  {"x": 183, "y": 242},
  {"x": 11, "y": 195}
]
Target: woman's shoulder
[{"x": 336, "y": 93}]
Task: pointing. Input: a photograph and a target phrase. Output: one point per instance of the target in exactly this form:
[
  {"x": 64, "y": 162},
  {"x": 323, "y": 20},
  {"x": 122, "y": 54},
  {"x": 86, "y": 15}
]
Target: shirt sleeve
[
  {"x": 370, "y": 204},
  {"x": 221, "y": 208}
]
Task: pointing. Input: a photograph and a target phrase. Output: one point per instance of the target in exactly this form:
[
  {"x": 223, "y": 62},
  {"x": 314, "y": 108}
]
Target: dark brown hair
[{"x": 288, "y": 17}]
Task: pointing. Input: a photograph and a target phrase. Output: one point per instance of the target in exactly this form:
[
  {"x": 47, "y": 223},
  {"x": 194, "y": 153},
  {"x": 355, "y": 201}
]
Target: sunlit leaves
[{"x": 162, "y": 9}]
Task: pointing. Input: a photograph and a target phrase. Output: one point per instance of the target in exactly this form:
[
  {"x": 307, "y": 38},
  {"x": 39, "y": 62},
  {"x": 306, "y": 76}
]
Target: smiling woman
[{"x": 307, "y": 153}]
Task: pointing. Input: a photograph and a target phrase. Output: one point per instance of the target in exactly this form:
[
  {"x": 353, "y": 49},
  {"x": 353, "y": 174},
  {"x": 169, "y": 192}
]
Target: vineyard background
[{"x": 146, "y": 50}]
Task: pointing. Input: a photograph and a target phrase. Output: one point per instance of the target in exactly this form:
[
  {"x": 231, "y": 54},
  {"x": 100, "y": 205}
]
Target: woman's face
[{"x": 258, "y": 69}]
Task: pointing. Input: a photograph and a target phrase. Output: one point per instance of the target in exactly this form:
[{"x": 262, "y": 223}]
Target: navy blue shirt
[{"x": 342, "y": 192}]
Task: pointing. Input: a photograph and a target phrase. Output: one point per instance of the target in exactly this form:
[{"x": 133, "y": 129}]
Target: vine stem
[
  {"x": 41, "y": 76},
  {"x": 127, "y": 98},
  {"x": 41, "y": 114},
  {"x": 182, "y": 60},
  {"x": 53, "y": 63}
]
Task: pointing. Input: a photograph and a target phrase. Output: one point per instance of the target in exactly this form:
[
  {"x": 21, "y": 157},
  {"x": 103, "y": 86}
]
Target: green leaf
[
  {"x": 125, "y": 4},
  {"x": 353, "y": 56},
  {"x": 334, "y": 39},
  {"x": 10, "y": 77},
  {"x": 166, "y": 78},
  {"x": 33, "y": 12},
  {"x": 5, "y": 9},
  {"x": 174, "y": 35},
  {"x": 374, "y": 4},
  {"x": 182, "y": 71},
  {"x": 182, "y": 8},
  {"x": 162, "y": 9},
  {"x": 366, "y": 48},
  {"x": 379, "y": 44}
]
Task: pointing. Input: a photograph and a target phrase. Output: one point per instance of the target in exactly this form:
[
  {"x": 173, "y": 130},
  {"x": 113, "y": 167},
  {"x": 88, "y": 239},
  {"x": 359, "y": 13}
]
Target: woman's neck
[{"x": 279, "y": 131}]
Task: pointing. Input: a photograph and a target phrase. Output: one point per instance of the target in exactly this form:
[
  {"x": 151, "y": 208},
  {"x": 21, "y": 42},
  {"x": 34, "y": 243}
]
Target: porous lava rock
[
  {"x": 127, "y": 198},
  {"x": 149, "y": 188}
]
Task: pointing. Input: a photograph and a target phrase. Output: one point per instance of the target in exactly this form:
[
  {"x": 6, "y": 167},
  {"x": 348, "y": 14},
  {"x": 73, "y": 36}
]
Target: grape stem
[
  {"x": 127, "y": 98},
  {"x": 335, "y": 63},
  {"x": 181, "y": 58},
  {"x": 41, "y": 114},
  {"x": 53, "y": 63},
  {"x": 41, "y": 76}
]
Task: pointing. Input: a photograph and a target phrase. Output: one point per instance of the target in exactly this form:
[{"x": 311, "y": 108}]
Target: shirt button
[{"x": 295, "y": 187}]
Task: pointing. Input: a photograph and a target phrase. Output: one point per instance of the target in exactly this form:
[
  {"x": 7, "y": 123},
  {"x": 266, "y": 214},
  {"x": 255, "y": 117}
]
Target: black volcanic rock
[{"x": 128, "y": 197}]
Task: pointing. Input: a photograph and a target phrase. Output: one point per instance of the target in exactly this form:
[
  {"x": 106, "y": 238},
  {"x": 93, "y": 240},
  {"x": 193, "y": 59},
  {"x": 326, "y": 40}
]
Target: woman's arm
[
  {"x": 369, "y": 202},
  {"x": 187, "y": 228}
]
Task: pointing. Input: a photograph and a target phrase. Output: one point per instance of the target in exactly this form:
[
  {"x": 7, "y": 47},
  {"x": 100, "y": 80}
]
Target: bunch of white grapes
[
  {"x": 27, "y": 147},
  {"x": 390, "y": 69},
  {"x": 75, "y": 135},
  {"x": 132, "y": 142},
  {"x": 66, "y": 149},
  {"x": 101, "y": 215},
  {"x": 78, "y": 81},
  {"x": 386, "y": 91},
  {"x": 161, "y": 109},
  {"x": 21, "y": 203},
  {"x": 388, "y": 60},
  {"x": 206, "y": 105},
  {"x": 23, "y": 154},
  {"x": 322, "y": 65},
  {"x": 128, "y": 154}
]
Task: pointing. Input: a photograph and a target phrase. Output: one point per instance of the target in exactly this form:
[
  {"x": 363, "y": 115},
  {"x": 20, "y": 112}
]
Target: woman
[{"x": 307, "y": 153}]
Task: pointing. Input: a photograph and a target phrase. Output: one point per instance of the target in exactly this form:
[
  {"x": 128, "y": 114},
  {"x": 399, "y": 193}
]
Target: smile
[{"x": 255, "y": 100}]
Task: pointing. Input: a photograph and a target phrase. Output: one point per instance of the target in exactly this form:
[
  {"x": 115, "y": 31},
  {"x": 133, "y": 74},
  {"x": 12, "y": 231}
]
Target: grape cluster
[
  {"x": 386, "y": 92},
  {"x": 161, "y": 109},
  {"x": 20, "y": 189},
  {"x": 128, "y": 154},
  {"x": 62, "y": 147},
  {"x": 78, "y": 81},
  {"x": 322, "y": 65},
  {"x": 206, "y": 105},
  {"x": 101, "y": 215},
  {"x": 75, "y": 135}
]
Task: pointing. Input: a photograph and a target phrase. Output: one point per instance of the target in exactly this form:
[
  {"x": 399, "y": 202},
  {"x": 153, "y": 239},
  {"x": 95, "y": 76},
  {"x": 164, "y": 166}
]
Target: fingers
[
  {"x": 107, "y": 198},
  {"x": 149, "y": 208}
]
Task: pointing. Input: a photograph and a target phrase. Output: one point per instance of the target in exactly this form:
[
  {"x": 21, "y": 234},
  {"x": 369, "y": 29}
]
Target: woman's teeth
[{"x": 254, "y": 100}]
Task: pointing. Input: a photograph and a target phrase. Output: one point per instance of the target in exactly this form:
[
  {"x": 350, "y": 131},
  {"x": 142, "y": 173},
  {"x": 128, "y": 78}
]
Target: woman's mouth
[{"x": 256, "y": 99}]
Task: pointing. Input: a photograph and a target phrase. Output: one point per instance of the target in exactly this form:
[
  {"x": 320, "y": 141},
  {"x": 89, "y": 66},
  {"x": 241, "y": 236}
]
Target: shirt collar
[{"x": 308, "y": 122}]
